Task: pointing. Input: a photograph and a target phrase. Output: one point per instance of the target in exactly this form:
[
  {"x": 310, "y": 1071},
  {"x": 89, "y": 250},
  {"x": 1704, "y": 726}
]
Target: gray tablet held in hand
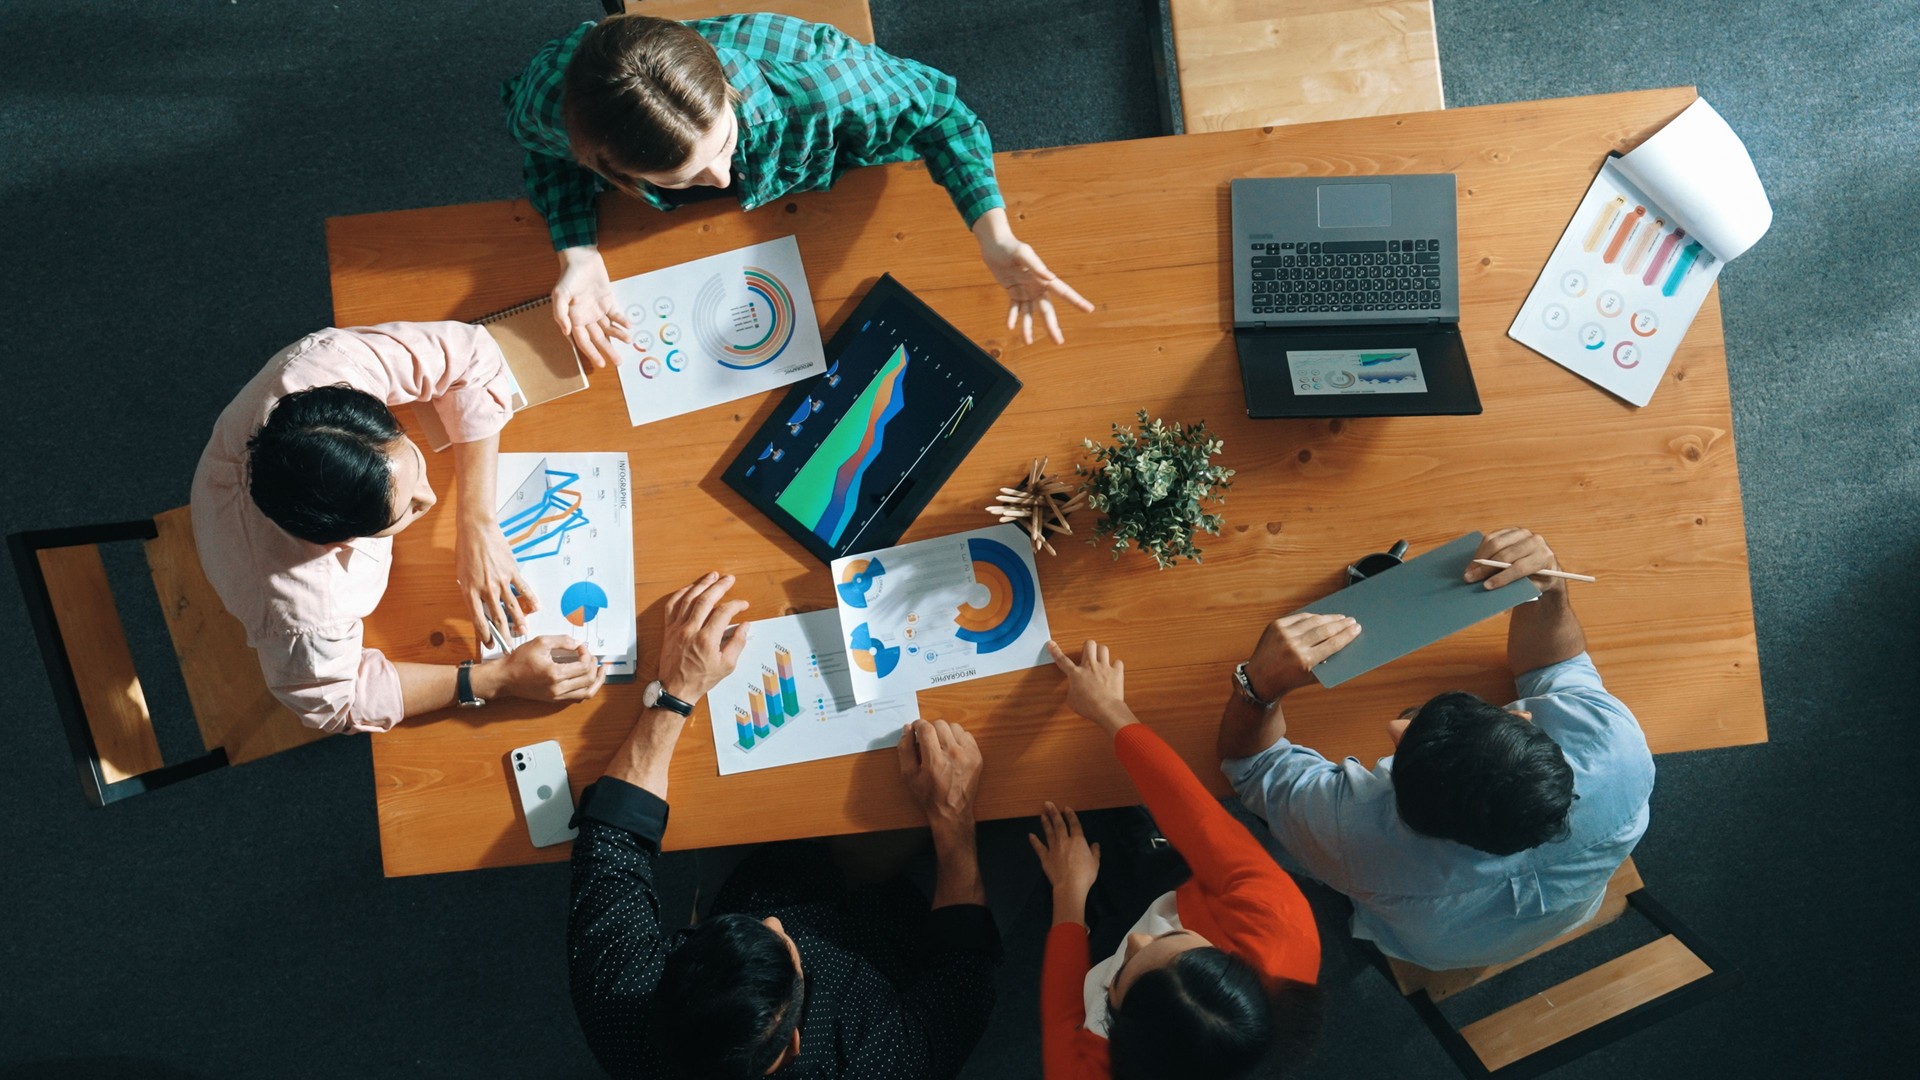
[{"x": 1411, "y": 606}]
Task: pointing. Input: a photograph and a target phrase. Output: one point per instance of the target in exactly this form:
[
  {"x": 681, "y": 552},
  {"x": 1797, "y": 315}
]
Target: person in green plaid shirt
[{"x": 759, "y": 105}]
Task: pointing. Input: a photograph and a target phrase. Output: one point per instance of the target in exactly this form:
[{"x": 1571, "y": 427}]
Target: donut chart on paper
[
  {"x": 870, "y": 654},
  {"x": 856, "y": 580},
  {"x": 749, "y": 335},
  {"x": 583, "y": 602},
  {"x": 1010, "y": 594}
]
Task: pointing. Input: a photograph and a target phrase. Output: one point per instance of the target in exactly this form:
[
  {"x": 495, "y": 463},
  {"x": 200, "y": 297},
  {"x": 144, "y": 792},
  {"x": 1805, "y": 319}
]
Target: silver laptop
[{"x": 1346, "y": 297}]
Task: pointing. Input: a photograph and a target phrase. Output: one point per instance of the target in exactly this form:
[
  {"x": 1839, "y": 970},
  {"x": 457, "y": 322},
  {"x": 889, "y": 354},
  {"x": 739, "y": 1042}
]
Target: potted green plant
[{"x": 1153, "y": 485}]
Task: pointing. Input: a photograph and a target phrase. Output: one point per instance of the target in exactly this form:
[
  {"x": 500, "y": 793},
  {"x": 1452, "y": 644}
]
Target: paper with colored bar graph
[
  {"x": 569, "y": 521},
  {"x": 941, "y": 611},
  {"x": 790, "y": 699},
  {"x": 1644, "y": 246},
  {"x": 716, "y": 329}
]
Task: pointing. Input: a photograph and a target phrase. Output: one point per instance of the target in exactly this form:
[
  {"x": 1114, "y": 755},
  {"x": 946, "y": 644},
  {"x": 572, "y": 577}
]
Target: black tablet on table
[{"x": 853, "y": 455}]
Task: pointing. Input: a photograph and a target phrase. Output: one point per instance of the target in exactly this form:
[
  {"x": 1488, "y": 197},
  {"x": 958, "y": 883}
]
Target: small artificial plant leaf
[{"x": 1153, "y": 485}]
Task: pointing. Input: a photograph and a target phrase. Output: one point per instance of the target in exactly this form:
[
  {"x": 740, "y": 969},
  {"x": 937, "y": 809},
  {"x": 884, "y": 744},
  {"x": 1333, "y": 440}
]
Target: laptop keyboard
[{"x": 1346, "y": 275}]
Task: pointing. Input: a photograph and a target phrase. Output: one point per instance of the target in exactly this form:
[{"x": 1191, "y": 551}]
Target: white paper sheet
[
  {"x": 1700, "y": 171},
  {"x": 715, "y": 329},
  {"x": 941, "y": 611},
  {"x": 790, "y": 699},
  {"x": 569, "y": 519}
]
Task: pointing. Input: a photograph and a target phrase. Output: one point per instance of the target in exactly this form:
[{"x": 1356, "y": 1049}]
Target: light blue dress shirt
[{"x": 1442, "y": 904}]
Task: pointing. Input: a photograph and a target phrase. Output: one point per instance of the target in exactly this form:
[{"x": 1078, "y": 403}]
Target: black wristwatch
[
  {"x": 656, "y": 697},
  {"x": 463, "y": 687},
  {"x": 1246, "y": 687}
]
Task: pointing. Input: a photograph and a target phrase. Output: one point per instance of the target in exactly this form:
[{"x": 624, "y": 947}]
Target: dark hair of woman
[
  {"x": 641, "y": 92},
  {"x": 318, "y": 467},
  {"x": 1203, "y": 1014}
]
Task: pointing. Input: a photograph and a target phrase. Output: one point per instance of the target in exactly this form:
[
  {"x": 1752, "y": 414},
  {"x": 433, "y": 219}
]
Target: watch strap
[
  {"x": 664, "y": 700},
  {"x": 1245, "y": 684},
  {"x": 463, "y": 686}
]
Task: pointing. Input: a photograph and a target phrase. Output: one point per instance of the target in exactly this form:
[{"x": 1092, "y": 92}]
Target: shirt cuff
[
  {"x": 966, "y": 927},
  {"x": 572, "y": 231},
  {"x": 977, "y": 200},
  {"x": 625, "y": 807}
]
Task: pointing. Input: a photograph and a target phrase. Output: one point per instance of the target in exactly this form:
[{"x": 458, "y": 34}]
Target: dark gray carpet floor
[{"x": 166, "y": 171}]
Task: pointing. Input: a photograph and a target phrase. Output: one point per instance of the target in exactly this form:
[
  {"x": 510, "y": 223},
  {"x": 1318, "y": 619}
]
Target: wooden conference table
[{"x": 1648, "y": 499}]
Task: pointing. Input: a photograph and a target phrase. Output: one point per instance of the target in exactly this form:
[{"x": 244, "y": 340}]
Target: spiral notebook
[{"x": 541, "y": 363}]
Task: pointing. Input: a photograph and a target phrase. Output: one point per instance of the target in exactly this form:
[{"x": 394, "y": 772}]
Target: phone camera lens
[{"x": 521, "y": 765}]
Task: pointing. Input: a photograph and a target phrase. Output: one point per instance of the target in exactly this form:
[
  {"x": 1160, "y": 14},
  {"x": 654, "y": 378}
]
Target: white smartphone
[{"x": 540, "y": 771}]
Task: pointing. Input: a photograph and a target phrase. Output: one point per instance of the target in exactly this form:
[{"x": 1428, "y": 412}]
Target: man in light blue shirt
[{"x": 1491, "y": 830}]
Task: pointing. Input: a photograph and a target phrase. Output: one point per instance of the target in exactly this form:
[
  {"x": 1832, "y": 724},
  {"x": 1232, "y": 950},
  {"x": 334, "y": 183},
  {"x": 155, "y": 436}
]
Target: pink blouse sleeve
[
  {"x": 332, "y": 683},
  {"x": 456, "y": 367}
]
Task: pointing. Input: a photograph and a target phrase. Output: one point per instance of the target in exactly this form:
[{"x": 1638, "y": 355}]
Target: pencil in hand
[{"x": 1498, "y": 565}]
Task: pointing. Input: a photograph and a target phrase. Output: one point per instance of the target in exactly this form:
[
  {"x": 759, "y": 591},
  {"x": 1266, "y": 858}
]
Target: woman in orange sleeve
[{"x": 1190, "y": 991}]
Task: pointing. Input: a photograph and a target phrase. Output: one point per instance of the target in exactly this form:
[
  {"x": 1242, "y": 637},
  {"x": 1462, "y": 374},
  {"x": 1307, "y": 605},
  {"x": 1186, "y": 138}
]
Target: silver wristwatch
[{"x": 1246, "y": 687}]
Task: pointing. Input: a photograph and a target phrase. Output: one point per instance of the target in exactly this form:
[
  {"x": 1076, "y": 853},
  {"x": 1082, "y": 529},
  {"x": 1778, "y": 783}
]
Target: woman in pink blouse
[{"x": 301, "y": 489}]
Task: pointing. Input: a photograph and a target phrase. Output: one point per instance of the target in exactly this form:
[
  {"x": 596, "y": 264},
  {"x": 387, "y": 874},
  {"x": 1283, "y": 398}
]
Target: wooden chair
[
  {"x": 95, "y": 687},
  {"x": 851, "y": 16},
  {"x": 1582, "y": 1014},
  {"x": 1257, "y": 63}
]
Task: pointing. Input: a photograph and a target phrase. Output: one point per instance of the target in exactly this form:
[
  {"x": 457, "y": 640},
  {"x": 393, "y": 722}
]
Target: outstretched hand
[
  {"x": 1032, "y": 289},
  {"x": 1096, "y": 684},
  {"x": 1069, "y": 862},
  {"x": 584, "y": 308}
]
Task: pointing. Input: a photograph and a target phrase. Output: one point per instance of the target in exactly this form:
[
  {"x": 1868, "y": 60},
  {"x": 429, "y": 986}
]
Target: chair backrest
[
  {"x": 1269, "y": 62},
  {"x": 231, "y": 702},
  {"x": 1580, "y": 1014},
  {"x": 851, "y": 17},
  {"x": 96, "y": 688}
]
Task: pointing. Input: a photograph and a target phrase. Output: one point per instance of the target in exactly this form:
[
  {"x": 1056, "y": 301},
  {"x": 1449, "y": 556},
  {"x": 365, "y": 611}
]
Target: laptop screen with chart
[{"x": 852, "y": 455}]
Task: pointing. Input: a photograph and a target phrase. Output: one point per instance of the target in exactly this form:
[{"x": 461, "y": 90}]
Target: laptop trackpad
[{"x": 1355, "y": 206}]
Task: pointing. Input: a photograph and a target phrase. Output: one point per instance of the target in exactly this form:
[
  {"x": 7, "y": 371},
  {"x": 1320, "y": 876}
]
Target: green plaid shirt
[{"x": 813, "y": 103}]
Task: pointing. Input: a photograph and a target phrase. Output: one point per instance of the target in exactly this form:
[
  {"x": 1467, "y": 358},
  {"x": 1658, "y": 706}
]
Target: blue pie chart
[{"x": 582, "y": 601}]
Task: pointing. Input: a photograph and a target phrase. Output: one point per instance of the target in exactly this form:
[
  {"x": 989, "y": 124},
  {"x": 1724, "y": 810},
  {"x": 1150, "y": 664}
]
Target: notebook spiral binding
[{"x": 512, "y": 311}]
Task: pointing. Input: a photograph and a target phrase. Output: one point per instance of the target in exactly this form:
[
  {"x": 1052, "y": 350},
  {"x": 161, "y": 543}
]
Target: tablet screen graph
[{"x": 822, "y": 493}]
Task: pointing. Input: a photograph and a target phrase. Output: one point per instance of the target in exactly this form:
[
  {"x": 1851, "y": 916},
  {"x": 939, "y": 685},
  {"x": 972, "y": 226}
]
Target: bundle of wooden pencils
[{"x": 1040, "y": 505}]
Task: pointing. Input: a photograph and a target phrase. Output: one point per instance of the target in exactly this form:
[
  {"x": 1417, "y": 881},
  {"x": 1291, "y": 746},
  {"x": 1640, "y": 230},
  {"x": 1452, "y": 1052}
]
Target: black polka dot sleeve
[{"x": 616, "y": 946}]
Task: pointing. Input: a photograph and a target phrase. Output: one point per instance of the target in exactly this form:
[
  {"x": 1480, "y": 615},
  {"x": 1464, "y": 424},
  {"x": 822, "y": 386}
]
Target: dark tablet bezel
[{"x": 935, "y": 468}]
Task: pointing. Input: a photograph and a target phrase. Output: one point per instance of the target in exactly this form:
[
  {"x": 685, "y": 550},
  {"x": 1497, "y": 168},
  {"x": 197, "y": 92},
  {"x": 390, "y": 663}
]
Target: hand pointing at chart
[{"x": 497, "y": 596}]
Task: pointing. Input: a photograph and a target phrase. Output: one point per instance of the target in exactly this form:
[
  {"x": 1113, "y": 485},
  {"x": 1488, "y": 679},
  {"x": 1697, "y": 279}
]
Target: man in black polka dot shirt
[{"x": 793, "y": 974}]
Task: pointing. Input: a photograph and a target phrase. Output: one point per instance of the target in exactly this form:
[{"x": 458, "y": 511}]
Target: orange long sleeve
[
  {"x": 1238, "y": 898},
  {"x": 1068, "y": 1051}
]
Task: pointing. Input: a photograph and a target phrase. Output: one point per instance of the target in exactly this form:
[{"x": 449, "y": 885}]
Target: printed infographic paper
[
  {"x": 716, "y": 329},
  {"x": 1619, "y": 291},
  {"x": 569, "y": 520},
  {"x": 1646, "y": 243},
  {"x": 941, "y": 611},
  {"x": 790, "y": 699}
]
